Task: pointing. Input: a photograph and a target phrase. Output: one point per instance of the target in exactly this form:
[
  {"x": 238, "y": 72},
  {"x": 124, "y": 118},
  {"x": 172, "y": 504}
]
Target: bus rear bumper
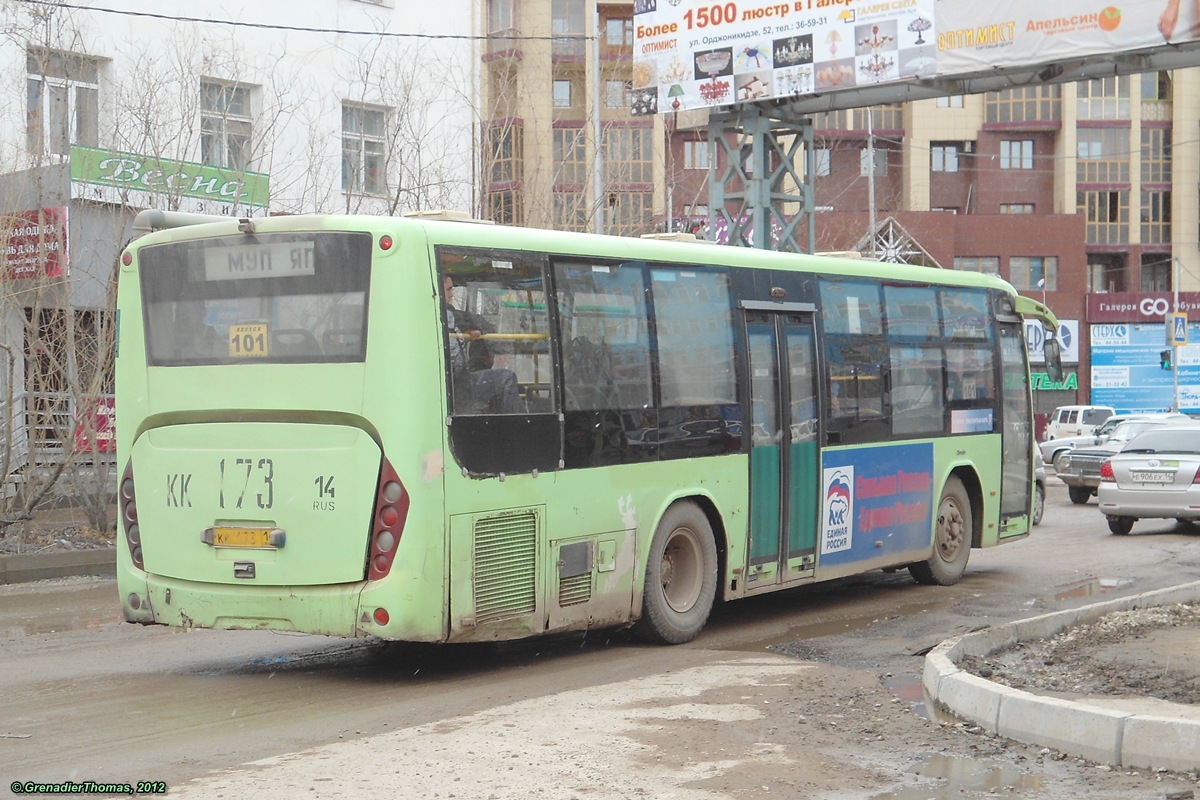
[{"x": 330, "y": 610}]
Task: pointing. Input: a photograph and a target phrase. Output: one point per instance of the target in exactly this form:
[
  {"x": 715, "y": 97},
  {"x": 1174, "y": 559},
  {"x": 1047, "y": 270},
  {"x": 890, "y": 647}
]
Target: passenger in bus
[{"x": 485, "y": 389}]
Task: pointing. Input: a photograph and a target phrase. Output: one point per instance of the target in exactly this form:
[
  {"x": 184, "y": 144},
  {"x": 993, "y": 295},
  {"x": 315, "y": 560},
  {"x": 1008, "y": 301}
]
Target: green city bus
[{"x": 432, "y": 430}]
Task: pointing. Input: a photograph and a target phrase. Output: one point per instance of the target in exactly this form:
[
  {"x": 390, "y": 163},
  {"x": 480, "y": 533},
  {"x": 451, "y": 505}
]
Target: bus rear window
[{"x": 266, "y": 298}]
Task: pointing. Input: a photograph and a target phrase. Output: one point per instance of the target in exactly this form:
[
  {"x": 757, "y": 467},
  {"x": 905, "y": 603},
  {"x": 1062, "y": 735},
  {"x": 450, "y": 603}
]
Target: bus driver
[{"x": 471, "y": 362}]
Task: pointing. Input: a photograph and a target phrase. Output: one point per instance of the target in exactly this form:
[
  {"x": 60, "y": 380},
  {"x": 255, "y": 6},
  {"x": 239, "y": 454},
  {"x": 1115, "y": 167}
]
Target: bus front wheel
[
  {"x": 681, "y": 577},
  {"x": 951, "y": 538}
]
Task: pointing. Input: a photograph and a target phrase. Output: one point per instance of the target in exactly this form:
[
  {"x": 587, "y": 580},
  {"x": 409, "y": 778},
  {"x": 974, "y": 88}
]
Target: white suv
[{"x": 1075, "y": 421}]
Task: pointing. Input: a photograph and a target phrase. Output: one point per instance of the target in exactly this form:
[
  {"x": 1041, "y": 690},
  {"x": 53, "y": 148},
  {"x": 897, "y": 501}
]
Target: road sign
[{"x": 1177, "y": 331}]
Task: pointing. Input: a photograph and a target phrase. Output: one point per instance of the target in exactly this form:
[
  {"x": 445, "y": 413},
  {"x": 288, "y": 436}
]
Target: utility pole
[
  {"x": 598, "y": 204},
  {"x": 1175, "y": 343}
]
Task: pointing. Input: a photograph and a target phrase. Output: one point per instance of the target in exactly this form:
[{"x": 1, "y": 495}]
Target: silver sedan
[{"x": 1155, "y": 475}]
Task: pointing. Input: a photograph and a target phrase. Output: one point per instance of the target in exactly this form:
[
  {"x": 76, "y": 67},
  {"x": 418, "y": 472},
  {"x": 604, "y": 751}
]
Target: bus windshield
[{"x": 264, "y": 298}]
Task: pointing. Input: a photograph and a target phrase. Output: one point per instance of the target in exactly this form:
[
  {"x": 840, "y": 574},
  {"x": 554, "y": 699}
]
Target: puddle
[
  {"x": 911, "y": 691},
  {"x": 31, "y": 614},
  {"x": 1090, "y": 587},
  {"x": 963, "y": 775}
]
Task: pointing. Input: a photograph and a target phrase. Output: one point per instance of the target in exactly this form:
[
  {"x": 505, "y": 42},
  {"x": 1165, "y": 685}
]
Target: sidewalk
[
  {"x": 25, "y": 567},
  {"x": 1129, "y": 732}
]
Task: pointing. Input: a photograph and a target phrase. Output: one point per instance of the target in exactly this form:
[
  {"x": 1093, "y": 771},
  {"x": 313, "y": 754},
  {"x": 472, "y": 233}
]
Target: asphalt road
[{"x": 839, "y": 715}]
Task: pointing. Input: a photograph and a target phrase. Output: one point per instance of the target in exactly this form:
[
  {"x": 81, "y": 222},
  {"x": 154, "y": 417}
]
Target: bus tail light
[
  {"x": 387, "y": 526},
  {"x": 127, "y": 507},
  {"x": 1106, "y": 473}
]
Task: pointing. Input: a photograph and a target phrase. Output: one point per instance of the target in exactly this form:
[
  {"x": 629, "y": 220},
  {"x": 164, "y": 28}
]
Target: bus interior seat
[
  {"x": 293, "y": 342},
  {"x": 342, "y": 342}
]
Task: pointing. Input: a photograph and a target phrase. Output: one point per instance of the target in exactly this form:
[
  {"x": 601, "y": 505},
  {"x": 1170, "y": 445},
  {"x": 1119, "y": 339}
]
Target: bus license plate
[
  {"x": 1152, "y": 477},
  {"x": 241, "y": 537}
]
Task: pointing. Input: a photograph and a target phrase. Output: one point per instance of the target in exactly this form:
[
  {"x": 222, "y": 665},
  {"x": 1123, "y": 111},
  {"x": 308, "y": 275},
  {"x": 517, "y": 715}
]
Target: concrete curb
[
  {"x": 1117, "y": 738},
  {"x": 22, "y": 568}
]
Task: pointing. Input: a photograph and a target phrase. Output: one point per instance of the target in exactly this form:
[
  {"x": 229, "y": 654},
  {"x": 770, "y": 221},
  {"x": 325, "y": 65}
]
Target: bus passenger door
[{"x": 784, "y": 461}]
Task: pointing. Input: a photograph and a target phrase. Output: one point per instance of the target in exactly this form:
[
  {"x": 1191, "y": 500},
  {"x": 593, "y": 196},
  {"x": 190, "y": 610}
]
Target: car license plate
[
  {"x": 1152, "y": 477},
  {"x": 219, "y": 536}
]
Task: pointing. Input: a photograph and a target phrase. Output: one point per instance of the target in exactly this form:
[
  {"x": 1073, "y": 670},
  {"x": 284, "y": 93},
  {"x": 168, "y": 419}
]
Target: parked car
[
  {"x": 1156, "y": 475},
  {"x": 1080, "y": 469},
  {"x": 1075, "y": 421},
  {"x": 1053, "y": 449}
]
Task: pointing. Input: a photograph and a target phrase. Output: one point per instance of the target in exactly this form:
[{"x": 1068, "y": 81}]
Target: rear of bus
[{"x": 257, "y": 490}]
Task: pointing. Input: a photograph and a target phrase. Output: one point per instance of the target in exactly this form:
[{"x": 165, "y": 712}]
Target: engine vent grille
[
  {"x": 505, "y": 566},
  {"x": 575, "y": 590}
]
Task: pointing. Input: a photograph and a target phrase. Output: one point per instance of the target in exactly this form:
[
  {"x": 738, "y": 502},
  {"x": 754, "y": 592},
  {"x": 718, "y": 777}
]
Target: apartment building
[{"x": 556, "y": 78}]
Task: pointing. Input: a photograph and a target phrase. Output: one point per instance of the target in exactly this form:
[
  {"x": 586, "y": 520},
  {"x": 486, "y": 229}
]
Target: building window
[
  {"x": 1103, "y": 98},
  {"x": 630, "y": 213},
  {"x": 1103, "y": 155},
  {"x": 504, "y": 208},
  {"x": 1028, "y": 272},
  {"x": 1106, "y": 216},
  {"x": 628, "y": 155},
  {"x": 1016, "y": 208},
  {"x": 225, "y": 125},
  {"x": 1024, "y": 104},
  {"x": 363, "y": 132},
  {"x": 505, "y": 151},
  {"x": 1156, "y": 217},
  {"x": 1016, "y": 154},
  {"x": 562, "y": 93},
  {"x": 616, "y": 93},
  {"x": 1156, "y": 155},
  {"x": 618, "y": 32},
  {"x": 1156, "y": 272},
  {"x": 881, "y": 161},
  {"x": 567, "y": 27},
  {"x": 570, "y": 211},
  {"x": 695, "y": 155},
  {"x": 943, "y": 157},
  {"x": 989, "y": 265},
  {"x": 62, "y": 102},
  {"x": 950, "y": 101},
  {"x": 501, "y": 16},
  {"x": 824, "y": 159},
  {"x": 570, "y": 154}
]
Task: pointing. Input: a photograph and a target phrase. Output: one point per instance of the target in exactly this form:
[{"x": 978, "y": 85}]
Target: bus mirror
[{"x": 1053, "y": 360}]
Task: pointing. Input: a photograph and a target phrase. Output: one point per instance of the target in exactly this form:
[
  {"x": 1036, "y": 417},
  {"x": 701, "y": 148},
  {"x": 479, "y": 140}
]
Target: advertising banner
[
  {"x": 96, "y": 419},
  {"x": 1140, "y": 306},
  {"x": 697, "y": 55},
  {"x": 1127, "y": 372},
  {"x": 1068, "y": 341},
  {"x": 35, "y": 243},
  {"x": 873, "y": 495},
  {"x": 706, "y": 54},
  {"x": 975, "y": 37},
  {"x": 147, "y": 182}
]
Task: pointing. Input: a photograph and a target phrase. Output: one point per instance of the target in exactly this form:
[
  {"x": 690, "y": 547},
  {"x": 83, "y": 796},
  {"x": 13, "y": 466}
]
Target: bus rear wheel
[
  {"x": 951, "y": 538},
  {"x": 681, "y": 577}
]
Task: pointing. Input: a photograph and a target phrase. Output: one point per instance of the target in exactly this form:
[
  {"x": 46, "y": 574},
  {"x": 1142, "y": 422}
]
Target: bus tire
[
  {"x": 681, "y": 577},
  {"x": 952, "y": 532}
]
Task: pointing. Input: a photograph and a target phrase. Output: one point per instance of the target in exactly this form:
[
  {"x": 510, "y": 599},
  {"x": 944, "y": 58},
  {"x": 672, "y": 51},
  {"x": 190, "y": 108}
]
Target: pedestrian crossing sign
[{"x": 1177, "y": 332}]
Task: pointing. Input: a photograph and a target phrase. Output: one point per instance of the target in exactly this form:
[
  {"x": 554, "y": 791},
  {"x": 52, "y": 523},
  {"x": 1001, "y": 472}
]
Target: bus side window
[
  {"x": 605, "y": 339},
  {"x": 499, "y": 368}
]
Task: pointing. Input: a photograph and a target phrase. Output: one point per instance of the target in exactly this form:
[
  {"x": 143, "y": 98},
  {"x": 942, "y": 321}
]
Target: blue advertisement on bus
[
  {"x": 1128, "y": 373},
  {"x": 876, "y": 500}
]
